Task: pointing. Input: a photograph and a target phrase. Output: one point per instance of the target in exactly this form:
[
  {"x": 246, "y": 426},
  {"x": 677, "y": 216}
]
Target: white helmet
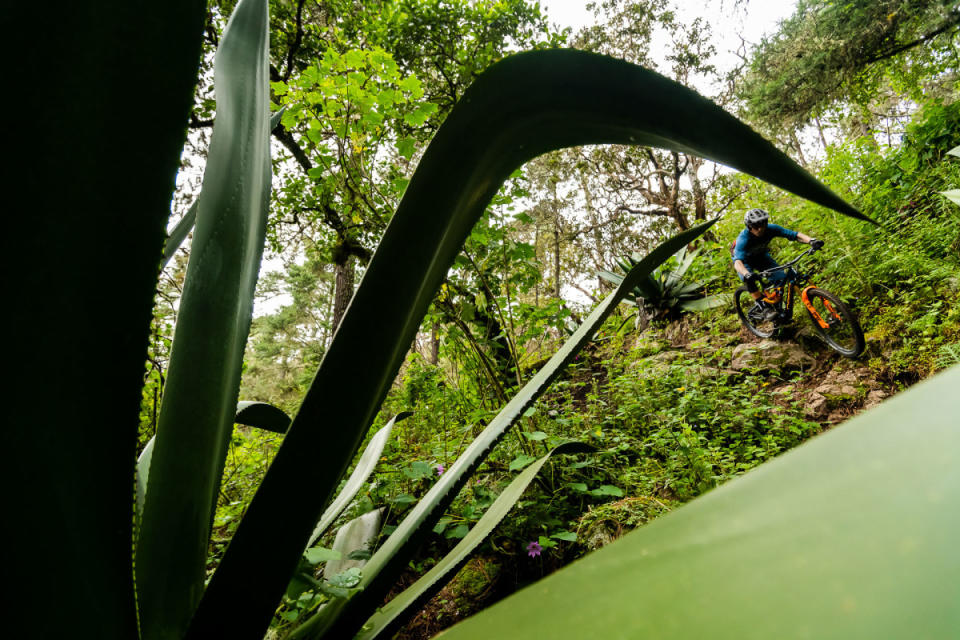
[{"x": 755, "y": 216}]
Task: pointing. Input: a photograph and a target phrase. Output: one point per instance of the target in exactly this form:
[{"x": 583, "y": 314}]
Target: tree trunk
[
  {"x": 556, "y": 255},
  {"x": 795, "y": 143},
  {"x": 343, "y": 292},
  {"x": 594, "y": 221}
]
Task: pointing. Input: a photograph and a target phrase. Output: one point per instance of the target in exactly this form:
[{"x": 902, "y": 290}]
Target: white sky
[{"x": 753, "y": 19}]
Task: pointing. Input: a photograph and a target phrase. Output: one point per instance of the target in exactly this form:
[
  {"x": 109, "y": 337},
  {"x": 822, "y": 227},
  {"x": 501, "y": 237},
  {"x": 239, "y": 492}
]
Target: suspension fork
[{"x": 813, "y": 312}]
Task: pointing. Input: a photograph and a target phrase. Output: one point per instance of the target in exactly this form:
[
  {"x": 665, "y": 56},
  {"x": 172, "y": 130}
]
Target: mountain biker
[{"x": 751, "y": 254}]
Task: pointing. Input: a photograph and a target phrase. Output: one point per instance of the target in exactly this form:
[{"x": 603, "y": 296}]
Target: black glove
[
  {"x": 751, "y": 279},
  {"x": 815, "y": 244}
]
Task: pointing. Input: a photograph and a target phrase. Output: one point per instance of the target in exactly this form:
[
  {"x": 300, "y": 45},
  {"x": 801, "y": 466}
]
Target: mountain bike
[{"x": 832, "y": 319}]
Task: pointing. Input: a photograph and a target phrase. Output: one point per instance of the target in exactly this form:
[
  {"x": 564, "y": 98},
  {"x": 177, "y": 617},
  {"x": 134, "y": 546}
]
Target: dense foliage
[
  {"x": 410, "y": 283},
  {"x": 859, "y": 51},
  {"x": 502, "y": 310}
]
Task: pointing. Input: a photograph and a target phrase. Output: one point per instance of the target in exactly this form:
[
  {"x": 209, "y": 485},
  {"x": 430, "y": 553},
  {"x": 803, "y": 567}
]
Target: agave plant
[
  {"x": 74, "y": 460},
  {"x": 664, "y": 293}
]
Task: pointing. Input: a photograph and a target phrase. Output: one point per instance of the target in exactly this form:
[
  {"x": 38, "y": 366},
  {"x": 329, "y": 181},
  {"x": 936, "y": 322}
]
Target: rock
[
  {"x": 816, "y": 405},
  {"x": 835, "y": 389},
  {"x": 874, "y": 398},
  {"x": 771, "y": 355},
  {"x": 714, "y": 372},
  {"x": 845, "y": 382}
]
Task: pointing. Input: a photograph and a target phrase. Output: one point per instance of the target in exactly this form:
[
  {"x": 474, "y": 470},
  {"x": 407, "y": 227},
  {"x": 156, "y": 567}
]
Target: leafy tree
[
  {"x": 847, "y": 51},
  {"x": 344, "y": 110}
]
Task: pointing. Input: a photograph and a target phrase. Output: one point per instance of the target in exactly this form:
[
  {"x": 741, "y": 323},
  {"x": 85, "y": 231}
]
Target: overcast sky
[{"x": 751, "y": 19}]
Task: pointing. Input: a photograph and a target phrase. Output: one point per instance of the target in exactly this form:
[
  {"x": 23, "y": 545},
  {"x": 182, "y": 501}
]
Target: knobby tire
[
  {"x": 844, "y": 335},
  {"x": 744, "y": 302}
]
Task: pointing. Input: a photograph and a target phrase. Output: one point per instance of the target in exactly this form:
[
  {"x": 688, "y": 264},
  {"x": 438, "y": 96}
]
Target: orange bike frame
[
  {"x": 813, "y": 312},
  {"x": 773, "y": 296}
]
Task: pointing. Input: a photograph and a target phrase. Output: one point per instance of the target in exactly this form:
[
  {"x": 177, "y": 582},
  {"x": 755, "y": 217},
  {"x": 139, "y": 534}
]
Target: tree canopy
[{"x": 830, "y": 50}]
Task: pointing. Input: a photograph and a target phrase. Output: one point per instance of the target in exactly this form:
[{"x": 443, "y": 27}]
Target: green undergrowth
[{"x": 669, "y": 416}]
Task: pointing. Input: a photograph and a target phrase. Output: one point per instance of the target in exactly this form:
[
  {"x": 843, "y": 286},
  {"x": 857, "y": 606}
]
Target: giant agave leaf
[
  {"x": 262, "y": 416},
  {"x": 708, "y": 302},
  {"x": 180, "y": 233},
  {"x": 365, "y": 466},
  {"x": 110, "y": 96},
  {"x": 953, "y": 195},
  {"x": 199, "y": 400},
  {"x": 684, "y": 260},
  {"x": 253, "y": 414},
  {"x": 851, "y": 535},
  {"x": 518, "y": 109},
  {"x": 185, "y": 226},
  {"x": 690, "y": 288},
  {"x": 387, "y": 619},
  {"x": 343, "y": 618},
  {"x": 613, "y": 278},
  {"x": 143, "y": 475}
]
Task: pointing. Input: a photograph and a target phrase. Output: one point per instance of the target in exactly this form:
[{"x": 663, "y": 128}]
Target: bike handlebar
[{"x": 767, "y": 272}]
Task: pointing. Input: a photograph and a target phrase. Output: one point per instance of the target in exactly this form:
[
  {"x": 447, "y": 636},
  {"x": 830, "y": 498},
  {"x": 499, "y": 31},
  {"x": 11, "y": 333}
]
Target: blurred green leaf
[
  {"x": 98, "y": 161},
  {"x": 607, "y": 490}
]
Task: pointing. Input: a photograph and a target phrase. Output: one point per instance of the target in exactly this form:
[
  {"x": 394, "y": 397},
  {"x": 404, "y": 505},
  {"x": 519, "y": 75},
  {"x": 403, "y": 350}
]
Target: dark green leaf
[
  {"x": 200, "y": 397},
  {"x": 359, "y": 554},
  {"x": 520, "y": 462},
  {"x": 96, "y": 160},
  {"x": 457, "y": 532},
  {"x": 180, "y": 232},
  {"x": 262, "y": 415},
  {"x": 316, "y": 555},
  {"x": 566, "y": 536}
]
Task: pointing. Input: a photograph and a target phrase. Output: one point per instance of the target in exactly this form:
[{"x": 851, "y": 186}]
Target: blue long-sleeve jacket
[{"x": 750, "y": 248}]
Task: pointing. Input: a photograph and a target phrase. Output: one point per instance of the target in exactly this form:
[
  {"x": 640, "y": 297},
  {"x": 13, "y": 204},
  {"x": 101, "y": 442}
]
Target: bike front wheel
[
  {"x": 835, "y": 323},
  {"x": 754, "y": 321}
]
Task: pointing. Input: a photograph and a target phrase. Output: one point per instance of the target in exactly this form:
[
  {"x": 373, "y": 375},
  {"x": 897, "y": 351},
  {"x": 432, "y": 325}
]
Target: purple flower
[
  {"x": 440, "y": 469},
  {"x": 534, "y": 549}
]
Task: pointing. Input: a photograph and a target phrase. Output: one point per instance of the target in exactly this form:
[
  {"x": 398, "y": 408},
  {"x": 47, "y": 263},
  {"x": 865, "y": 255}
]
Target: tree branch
[{"x": 946, "y": 26}]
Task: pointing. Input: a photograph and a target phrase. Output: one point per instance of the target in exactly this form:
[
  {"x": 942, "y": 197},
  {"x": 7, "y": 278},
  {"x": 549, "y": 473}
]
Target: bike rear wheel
[
  {"x": 842, "y": 333},
  {"x": 749, "y": 318}
]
